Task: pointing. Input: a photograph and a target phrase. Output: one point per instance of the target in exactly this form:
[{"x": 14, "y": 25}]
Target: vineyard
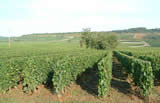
[{"x": 59, "y": 65}]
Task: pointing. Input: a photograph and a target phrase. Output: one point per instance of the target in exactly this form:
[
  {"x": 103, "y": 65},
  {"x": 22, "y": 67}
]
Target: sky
[{"x": 19, "y": 17}]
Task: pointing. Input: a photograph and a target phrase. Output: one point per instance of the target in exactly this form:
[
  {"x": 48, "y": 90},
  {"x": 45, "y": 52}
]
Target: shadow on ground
[
  {"x": 88, "y": 80},
  {"x": 121, "y": 86},
  {"x": 119, "y": 78}
]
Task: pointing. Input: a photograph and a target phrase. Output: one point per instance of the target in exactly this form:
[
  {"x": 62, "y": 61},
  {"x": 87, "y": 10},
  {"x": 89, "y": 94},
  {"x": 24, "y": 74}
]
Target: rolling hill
[{"x": 143, "y": 35}]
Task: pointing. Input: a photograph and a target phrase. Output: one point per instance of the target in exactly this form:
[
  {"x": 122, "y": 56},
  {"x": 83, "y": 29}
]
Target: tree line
[{"x": 138, "y": 30}]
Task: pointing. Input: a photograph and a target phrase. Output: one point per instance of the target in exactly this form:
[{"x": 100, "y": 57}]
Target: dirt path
[
  {"x": 124, "y": 85},
  {"x": 121, "y": 83}
]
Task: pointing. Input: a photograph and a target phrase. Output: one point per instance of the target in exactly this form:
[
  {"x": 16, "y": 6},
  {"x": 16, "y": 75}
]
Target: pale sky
[{"x": 18, "y": 17}]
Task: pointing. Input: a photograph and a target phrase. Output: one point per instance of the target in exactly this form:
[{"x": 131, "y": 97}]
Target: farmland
[{"x": 65, "y": 71}]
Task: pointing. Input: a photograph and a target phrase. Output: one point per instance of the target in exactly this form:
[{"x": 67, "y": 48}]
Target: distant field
[
  {"x": 152, "y": 38},
  {"x": 21, "y": 49}
]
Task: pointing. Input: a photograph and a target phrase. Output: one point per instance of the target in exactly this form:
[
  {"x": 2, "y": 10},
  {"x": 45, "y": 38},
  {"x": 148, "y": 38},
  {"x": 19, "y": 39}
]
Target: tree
[
  {"x": 113, "y": 41},
  {"x": 98, "y": 40},
  {"x": 85, "y": 37}
]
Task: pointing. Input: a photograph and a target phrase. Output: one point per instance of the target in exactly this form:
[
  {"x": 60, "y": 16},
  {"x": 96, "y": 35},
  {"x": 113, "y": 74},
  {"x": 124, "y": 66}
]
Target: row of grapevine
[
  {"x": 153, "y": 58},
  {"x": 142, "y": 51},
  {"x": 33, "y": 71},
  {"x": 68, "y": 69},
  {"x": 140, "y": 70},
  {"x": 105, "y": 75},
  {"x": 8, "y": 77}
]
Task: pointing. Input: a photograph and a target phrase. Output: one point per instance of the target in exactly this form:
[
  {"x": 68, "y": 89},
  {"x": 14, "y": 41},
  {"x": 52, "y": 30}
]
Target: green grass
[
  {"x": 21, "y": 49},
  {"x": 154, "y": 43}
]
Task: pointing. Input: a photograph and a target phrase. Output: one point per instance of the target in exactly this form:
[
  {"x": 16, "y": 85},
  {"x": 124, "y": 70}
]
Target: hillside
[
  {"x": 138, "y": 30},
  {"x": 136, "y": 36},
  {"x": 47, "y": 37}
]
